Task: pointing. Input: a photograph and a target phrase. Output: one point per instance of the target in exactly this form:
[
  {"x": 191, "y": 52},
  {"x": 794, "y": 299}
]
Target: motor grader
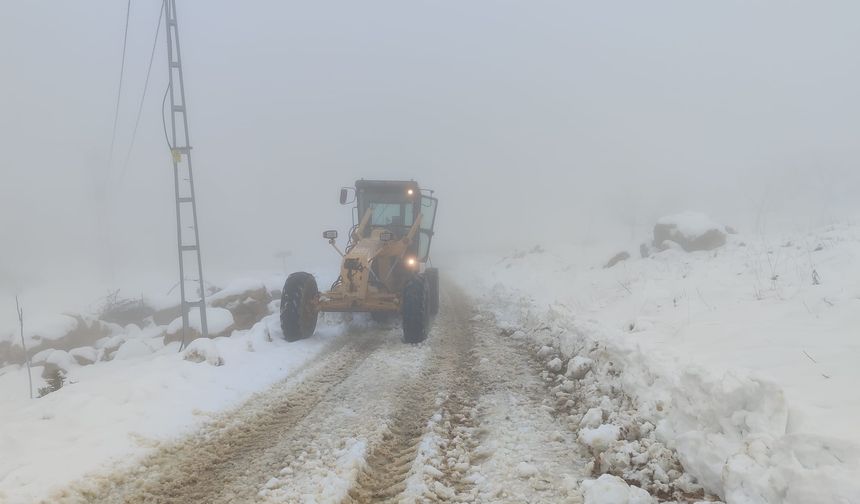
[{"x": 383, "y": 266}]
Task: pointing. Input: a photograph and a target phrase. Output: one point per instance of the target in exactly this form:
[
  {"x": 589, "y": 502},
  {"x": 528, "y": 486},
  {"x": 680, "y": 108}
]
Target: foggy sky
[{"x": 535, "y": 122}]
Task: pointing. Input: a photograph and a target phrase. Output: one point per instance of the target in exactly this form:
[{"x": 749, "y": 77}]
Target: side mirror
[
  {"x": 330, "y": 235},
  {"x": 344, "y": 196}
]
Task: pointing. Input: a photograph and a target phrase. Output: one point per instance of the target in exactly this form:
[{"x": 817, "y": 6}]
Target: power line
[
  {"x": 119, "y": 90},
  {"x": 143, "y": 95}
]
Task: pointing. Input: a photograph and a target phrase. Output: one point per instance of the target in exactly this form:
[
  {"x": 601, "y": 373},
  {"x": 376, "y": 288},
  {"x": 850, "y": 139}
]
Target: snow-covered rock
[
  {"x": 58, "y": 360},
  {"x": 203, "y": 350},
  {"x": 690, "y": 230},
  {"x": 609, "y": 489},
  {"x": 85, "y": 355}
]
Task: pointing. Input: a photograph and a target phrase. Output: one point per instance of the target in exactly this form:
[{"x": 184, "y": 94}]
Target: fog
[{"x": 534, "y": 122}]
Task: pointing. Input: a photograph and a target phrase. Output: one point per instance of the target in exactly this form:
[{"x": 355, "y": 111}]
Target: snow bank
[{"x": 743, "y": 362}]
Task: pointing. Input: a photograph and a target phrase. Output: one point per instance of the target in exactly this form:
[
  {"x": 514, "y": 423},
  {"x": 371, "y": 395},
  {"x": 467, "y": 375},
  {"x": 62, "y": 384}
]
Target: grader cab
[{"x": 383, "y": 266}]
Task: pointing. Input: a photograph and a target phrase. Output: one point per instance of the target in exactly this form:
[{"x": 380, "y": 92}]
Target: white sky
[{"x": 535, "y": 122}]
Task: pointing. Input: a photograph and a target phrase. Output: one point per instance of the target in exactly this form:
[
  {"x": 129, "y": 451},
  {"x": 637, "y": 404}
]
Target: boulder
[{"x": 692, "y": 231}]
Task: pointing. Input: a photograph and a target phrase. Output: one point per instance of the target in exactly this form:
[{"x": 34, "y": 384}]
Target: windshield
[{"x": 391, "y": 214}]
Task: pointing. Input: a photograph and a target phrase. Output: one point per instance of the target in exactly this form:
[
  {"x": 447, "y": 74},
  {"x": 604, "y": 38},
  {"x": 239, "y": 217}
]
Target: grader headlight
[{"x": 411, "y": 262}]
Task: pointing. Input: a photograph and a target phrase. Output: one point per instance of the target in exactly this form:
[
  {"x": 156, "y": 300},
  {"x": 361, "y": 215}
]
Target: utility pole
[{"x": 187, "y": 235}]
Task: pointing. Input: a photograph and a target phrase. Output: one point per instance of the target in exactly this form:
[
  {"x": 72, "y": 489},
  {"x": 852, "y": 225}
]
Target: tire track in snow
[{"x": 445, "y": 388}]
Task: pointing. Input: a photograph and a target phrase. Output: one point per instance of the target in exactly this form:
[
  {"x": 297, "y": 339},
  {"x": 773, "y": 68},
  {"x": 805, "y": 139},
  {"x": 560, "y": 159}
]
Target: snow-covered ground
[
  {"x": 114, "y": 411},
  {"x": 744, "y": 357}
]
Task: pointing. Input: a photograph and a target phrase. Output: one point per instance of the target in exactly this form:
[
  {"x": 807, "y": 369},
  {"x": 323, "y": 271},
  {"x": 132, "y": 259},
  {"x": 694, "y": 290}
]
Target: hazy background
[{"x": 535, "y": 122}]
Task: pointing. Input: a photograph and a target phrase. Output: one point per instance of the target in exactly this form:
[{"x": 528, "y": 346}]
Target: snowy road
[{"x": 467, "y": 416}]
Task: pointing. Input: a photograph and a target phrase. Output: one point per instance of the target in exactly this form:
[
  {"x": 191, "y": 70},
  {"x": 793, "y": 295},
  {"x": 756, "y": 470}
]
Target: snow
[
  {"x": 690, "y": 224},
  {"x": 134, "y": 348},
  {"x": 744, "y": 358},
  {"x": 112, "y": 412},
  {"x": 592, "y": 418},
  {"x": 609, "y": 489},
  {"x": 526, "y": 470}
]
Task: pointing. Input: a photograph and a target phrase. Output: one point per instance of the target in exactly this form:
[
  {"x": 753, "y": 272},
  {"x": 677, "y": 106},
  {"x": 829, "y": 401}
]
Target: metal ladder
[{"x": 188, "y": 243}]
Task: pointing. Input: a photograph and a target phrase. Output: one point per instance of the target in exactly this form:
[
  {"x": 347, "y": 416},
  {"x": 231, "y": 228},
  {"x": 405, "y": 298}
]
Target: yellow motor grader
[{"x": 383, "y": 269}]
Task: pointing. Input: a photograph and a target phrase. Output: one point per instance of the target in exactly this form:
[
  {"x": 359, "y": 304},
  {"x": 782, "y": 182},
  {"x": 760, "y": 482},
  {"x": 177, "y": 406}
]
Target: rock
[
  {"x": 617, "y": 258},
  {"x": 692, "y": 231},
  {"x": 730, "y": 230},
  {"x": 554, "y": 365}
]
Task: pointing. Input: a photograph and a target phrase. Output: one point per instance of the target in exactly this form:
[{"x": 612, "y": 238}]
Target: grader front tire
[{"x": 299, "y": 311}]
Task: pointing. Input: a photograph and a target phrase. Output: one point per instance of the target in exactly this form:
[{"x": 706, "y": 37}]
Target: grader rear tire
[
  {"x": 415, "y": 311},
  {"x": 299, "y": 311}
]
